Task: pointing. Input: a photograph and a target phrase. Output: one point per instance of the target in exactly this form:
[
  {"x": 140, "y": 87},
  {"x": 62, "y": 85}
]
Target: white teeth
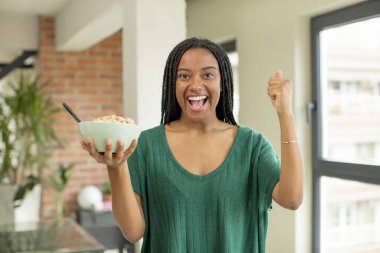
[{"x": 197, "y": 98}]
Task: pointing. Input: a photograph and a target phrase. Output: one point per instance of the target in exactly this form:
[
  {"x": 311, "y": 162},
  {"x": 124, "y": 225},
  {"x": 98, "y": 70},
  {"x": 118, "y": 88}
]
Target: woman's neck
[{"x": 185, "y": 124}]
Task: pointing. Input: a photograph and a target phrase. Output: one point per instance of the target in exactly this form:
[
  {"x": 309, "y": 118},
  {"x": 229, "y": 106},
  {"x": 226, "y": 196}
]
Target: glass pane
[
  {"x": 350, "y": 216},
  {"x": 350, "y": 85}
]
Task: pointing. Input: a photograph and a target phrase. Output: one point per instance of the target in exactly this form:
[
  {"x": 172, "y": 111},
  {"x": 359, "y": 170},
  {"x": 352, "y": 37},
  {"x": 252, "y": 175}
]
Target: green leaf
[
  {"x": 55, "y": 184},
  {"x": 27, "y": 132}
]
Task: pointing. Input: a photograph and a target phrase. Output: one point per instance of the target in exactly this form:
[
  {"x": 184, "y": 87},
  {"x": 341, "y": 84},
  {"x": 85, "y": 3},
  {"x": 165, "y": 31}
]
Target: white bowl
[{"x": 99, "y": 131}]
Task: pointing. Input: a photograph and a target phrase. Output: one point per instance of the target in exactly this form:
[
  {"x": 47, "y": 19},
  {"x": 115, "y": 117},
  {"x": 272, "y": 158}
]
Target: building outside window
[{"x": 346, "y": 130}]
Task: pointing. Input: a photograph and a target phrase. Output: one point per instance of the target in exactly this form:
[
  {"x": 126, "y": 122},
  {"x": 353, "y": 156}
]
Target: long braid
[{"x": 170, "y": 109}]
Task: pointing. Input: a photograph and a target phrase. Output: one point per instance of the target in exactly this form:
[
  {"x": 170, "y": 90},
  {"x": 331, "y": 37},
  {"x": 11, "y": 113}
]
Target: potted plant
[
  {"x": 106, "y": 190},
  {"x": 58, "y": 181},
  {"x": 27, "y": 134}
]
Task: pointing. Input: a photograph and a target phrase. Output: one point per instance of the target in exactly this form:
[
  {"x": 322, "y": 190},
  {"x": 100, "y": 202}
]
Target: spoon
[{"x": 68, "y": 108}]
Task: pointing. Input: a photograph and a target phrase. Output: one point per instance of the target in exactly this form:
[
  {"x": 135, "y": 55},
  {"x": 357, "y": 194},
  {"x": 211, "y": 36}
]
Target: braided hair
[{"x": 170, "y": 109}]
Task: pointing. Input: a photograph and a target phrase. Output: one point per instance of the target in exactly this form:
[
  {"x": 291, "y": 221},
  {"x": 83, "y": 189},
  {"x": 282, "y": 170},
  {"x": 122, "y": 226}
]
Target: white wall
[
  {"x": 18, "y": 32},
  {"x": 270, "y": 35},
  {"x": 83, "y": 23},
  {"x": 151, "y": 30}
]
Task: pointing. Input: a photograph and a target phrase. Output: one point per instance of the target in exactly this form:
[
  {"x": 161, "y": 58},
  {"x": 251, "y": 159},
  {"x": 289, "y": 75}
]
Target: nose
[{"x": 196, "y": 84}]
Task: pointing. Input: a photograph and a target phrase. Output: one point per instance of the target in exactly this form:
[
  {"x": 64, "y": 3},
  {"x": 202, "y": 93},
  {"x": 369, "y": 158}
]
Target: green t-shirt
[{"x": 223, "y": 211}]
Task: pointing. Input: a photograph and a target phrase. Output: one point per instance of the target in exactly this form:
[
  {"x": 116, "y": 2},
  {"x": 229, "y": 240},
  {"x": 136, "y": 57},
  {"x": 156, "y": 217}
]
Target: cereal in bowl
[{"x": 115, "y": 119}]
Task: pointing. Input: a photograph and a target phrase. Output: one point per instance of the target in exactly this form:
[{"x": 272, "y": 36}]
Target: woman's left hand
[{"x": 280, "y": 92}]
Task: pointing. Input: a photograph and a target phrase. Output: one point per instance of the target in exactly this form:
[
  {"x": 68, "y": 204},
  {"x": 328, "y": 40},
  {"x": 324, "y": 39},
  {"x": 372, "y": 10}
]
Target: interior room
[{"x": 107, "y": 57}]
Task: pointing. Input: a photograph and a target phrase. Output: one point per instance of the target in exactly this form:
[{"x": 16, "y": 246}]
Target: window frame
[{"x": 321, "y": 167}]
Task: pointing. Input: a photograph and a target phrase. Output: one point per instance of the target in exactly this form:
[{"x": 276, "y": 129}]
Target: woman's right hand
[{"x": 112, "y": 160}]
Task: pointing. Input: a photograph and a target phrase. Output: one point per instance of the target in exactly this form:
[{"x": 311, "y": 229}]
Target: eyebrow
[{"x": 205, "y": 68}]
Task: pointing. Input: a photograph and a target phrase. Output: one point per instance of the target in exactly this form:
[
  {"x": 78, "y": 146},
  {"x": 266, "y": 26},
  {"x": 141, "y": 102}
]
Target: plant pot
[
  {"x": 107, "y": 197},
  {"x": 7, "y": 191},
  {"x": 29, "y": 210},
  {"x": 107, "y": 201}
]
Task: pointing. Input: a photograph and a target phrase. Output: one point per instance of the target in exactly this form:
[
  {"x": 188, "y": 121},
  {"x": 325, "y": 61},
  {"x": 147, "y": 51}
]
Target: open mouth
[{"x": 197, "y": 102}]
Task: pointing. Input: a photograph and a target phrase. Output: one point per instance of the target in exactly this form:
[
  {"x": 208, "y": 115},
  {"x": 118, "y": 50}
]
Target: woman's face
[{"x": 198, "y": 85}]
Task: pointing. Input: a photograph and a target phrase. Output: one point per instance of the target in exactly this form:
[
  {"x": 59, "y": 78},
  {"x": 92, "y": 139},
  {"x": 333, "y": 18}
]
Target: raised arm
[
  {"x": 126, "y": 204},
  {"x": 288, "y": 192}
]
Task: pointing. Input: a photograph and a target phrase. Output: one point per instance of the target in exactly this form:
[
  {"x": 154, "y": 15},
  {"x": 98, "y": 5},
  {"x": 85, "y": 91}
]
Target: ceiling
[
  {"x": 34, "y": 7},
  {"x": 24, "y": 7}
]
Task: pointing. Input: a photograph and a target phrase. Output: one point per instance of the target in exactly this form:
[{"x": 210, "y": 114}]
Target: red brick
[{"x": 80, "y": 79}]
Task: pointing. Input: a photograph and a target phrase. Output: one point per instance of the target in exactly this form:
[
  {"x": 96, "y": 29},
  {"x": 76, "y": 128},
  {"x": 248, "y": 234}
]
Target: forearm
[
  {"x": 125, "y": 206},
  {"x": 290, "y": 191}
]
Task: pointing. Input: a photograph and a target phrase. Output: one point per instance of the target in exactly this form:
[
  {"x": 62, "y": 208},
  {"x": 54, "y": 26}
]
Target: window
[
  {"x": 346, "y": 130},
  {"x": 350, "y": 216},
  {"x": 234, "y": 58},
  {"x": 230, "y": 48}
]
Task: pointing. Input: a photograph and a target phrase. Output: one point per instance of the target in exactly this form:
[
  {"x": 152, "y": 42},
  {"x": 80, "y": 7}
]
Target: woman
[{"x": 199, "y": 182}]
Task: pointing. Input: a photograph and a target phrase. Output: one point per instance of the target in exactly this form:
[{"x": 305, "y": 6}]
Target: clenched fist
[{"x": 280, "y": 92}]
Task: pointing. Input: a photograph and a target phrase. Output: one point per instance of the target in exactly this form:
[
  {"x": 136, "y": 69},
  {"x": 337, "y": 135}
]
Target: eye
[
  {"x": 183, "y": 76},
  {"x": 209, "y": 75}
]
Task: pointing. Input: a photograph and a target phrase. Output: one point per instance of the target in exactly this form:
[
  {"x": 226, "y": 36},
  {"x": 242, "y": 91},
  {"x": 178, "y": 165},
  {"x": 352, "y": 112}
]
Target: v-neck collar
[{"x": 214, "y": 172}]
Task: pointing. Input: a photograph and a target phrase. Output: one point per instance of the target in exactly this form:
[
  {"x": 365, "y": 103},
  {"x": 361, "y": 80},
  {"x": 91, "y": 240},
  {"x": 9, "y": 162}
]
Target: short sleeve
[
  {"x": 268, "y": 172},
  {"x": 136, "y": 167}
]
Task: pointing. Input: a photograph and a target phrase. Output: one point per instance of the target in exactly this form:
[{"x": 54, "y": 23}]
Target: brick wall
[{"x": 90, "y": 82}]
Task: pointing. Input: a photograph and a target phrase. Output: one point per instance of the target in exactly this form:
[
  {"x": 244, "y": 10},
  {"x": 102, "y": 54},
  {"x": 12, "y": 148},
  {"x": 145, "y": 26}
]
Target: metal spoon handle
[{"x": 68, "y": 108}]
